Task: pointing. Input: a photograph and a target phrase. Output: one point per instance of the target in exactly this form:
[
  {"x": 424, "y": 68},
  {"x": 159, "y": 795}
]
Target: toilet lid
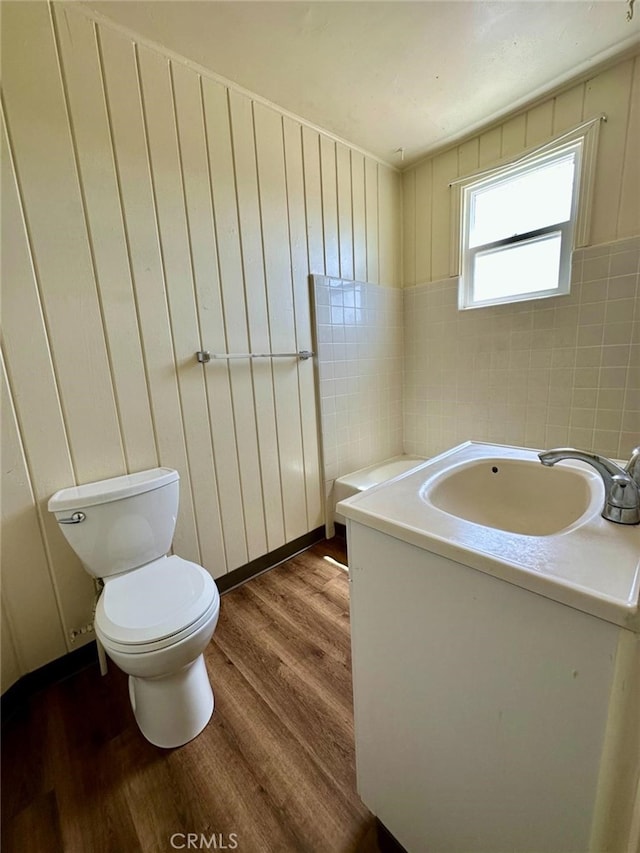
[{"x": 154, "y": 601}]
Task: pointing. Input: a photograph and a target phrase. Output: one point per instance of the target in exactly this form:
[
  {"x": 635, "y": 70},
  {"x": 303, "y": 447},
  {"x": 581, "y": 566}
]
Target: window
[{"x": 518, "y": 222}]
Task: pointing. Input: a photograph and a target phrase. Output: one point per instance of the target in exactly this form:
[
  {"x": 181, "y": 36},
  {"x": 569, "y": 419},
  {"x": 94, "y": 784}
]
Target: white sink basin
[
  {"x": 536, "y": 527},
  {"x": 519, "y": 496}
]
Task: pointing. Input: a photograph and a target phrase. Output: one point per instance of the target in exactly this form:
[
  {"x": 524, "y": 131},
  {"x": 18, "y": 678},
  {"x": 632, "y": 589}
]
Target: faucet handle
[
  {"x": 621, "y": 491},
  {"x": 621, "y": 502},
  {"x": 632, "y": 467}
]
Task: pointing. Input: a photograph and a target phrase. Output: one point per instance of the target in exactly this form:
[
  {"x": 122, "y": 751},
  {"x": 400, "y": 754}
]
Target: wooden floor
[{"x": 275, "y": 766}]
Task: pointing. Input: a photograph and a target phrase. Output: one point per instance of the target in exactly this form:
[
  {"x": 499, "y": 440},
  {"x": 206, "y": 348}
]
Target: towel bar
[{"x": 205, "y": 356}]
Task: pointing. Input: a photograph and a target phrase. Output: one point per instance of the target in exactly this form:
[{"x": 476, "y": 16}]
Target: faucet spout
[
  {"x": 622, "y": 492},
  {"x": 605, "y": 467}
]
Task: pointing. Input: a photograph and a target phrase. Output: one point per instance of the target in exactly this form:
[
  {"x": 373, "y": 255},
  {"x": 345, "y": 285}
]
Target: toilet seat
[
  {"x": 155, "y": 606},
  {"x": 134, "y": 649}
]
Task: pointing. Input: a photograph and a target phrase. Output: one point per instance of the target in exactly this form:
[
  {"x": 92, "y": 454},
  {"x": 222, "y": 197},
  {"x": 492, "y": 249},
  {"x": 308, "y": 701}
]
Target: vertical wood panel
[
  {"x": 197, "y": 187},
  {"x": 329, "y": 206},
  {"x": 359, "y": 217},
  {"x": 568, "y": 109},
  {"x": 539, "y": 124},
  {"x": 609, "y": 93},
  {"x": 469, "y": 155},
  {"x": 27, "y": 586},
  {"x": 130, "y": 154},
  {"x": 490, "y": 146},
  {"x": 513, "y": 135},
  {"x": 168, "y": 191},
  {"x": 423, "y": 237},
  {"x": 313, "y": 200},
  {"x": 414, "y": 217},
  {"x": 371, "y": 215},
  {"x": 231, "y": 278},
  {"x": 445, "y": 168},
  {"x": 345, "y": 210},
  {"x": 36, "y": 399},
  {"x": 396, "y": 205},
  {"x": 258, "y": 313},
  {"x": 386, "y": 227},
  {"x": 629, "y": 213},
  {"x": 275, "y": 234},
  {"x": 46, "y": 170},
  {"x": 301, "y": 302},
  {"x": 79, "y": 58}
]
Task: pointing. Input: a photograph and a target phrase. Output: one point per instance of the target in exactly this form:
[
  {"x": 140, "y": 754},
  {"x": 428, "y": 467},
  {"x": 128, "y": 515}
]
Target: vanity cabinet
[{"x": 488, "y": 718}]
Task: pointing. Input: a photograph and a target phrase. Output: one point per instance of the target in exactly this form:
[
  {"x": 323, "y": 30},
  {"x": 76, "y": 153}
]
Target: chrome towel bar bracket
[{"x": 204, "y": 356}]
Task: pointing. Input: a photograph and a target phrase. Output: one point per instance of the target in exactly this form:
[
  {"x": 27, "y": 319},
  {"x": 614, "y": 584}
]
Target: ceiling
[{"x": 388, "y": 75}]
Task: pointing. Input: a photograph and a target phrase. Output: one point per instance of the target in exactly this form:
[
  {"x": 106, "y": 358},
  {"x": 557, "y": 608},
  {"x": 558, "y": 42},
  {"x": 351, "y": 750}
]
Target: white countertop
[{"x": 593, "y": 566}]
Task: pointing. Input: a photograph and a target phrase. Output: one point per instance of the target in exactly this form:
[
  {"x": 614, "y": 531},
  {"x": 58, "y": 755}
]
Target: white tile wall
[
  {"x": 359, "y": 346},
  {"x": 551, "y": 372}
]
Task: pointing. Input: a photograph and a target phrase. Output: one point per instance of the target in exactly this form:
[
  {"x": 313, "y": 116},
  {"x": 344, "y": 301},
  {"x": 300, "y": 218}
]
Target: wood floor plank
[
  {"x": 299, "y": 601},
  {"x": 302, "y": 644},
  {"x": 288, "y": 684},
  {"x": 223, "y": 795},
  {"x": 324, "y": 576},
  {"x": 275, "y": 765},
  {"x": 317, "y": 814},
  {"x": 23, "y": 750},
  {"x": 39, "y": 823}
]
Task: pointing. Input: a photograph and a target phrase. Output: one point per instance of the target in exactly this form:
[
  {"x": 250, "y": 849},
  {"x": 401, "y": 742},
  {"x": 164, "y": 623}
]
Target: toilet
[{"x": 156, "y": 613}]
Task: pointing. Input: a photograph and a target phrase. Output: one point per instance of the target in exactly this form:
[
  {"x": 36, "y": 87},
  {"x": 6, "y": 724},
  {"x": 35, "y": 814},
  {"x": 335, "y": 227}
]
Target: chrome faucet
[{"x": 621, "y": 486}]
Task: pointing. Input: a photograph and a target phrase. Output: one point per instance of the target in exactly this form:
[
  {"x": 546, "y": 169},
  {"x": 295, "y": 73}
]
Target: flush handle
[{"x": 76, "y": 518}]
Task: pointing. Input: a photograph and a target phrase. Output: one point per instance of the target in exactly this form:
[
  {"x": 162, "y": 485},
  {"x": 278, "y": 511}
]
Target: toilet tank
[{"x": 119, "y": 524}]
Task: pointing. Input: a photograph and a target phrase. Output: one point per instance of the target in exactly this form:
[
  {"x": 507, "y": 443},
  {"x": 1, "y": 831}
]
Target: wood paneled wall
[
  {"x": 149, "y": 211},
  {"x": 616, "y": 211}
]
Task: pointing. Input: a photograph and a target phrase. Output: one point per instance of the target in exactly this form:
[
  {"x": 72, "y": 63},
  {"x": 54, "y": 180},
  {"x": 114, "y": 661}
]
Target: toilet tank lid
[{"x": 116, "y": 488}]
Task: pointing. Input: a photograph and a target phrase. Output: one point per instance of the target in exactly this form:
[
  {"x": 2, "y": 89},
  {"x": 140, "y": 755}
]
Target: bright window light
[
  {"x": 523, "y": 203},
  {"x": 519, "y": 269},
  {"x": 517, "y": 229}
]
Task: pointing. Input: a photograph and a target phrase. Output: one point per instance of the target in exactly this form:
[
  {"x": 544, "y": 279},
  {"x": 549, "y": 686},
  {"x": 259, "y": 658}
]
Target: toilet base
[{"x": 172, "y": 710}]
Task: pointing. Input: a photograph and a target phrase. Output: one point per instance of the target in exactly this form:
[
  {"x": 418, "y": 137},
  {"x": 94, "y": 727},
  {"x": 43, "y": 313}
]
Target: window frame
[{"x": 583, "y": 139}]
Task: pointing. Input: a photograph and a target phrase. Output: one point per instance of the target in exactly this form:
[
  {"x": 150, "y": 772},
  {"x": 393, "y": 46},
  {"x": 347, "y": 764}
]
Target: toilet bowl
[{"x": 156, "y": 613}]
